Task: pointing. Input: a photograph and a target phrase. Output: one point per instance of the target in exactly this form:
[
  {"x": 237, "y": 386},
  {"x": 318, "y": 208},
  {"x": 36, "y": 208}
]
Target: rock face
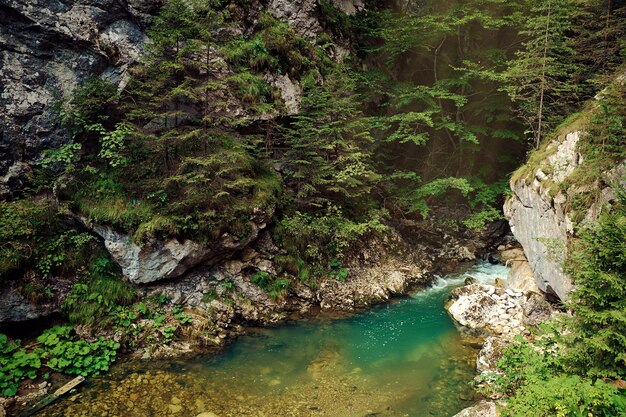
[
  {"x": 540, "y": 223},
  {"x": 14, "y": 307},
  {"x": 540, "y": 216},
  {"x": 157, "y": 260},
  {"x": 290, "y": 92},
  {"x": 482, "y": 409},
  {"x": 47, "y": 48},
  {"x": 301, "y": 15}
]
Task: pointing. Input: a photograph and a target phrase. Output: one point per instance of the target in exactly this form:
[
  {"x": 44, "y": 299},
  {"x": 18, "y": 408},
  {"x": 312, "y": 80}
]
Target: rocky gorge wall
[
  {"x": 47, "y": 48},
  {"x": 543, "y": 212}
]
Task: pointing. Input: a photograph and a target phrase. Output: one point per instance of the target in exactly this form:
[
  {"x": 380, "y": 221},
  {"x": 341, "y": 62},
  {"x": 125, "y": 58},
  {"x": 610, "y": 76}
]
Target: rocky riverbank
[
  {"x": 498, "y": 313},
  {"x": 219, "y": 302},
  {"x": 223, "y": 300}
]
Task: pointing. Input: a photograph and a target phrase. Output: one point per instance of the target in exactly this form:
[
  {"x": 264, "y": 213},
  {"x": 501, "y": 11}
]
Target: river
[{"x": 404, "y": 358}]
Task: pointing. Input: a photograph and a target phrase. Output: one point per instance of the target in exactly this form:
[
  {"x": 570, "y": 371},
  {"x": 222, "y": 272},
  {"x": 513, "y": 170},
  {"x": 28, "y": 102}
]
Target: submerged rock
[{"x": 482, "y": 409}]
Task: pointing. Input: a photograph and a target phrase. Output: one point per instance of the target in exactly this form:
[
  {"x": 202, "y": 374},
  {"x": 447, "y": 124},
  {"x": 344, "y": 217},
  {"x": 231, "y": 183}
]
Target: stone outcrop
[
  {"x": 482, "y": 409},
  {"x": 290, "y": 92},
  {"x": 497, "y": 311},
  {"x": 301, "y": 15},
  {"x": 540, "y": 222},
  {"x": 540, "y": 214},
  {"x": 47, "y": 49},
  {"x": 158, "y": 260}
]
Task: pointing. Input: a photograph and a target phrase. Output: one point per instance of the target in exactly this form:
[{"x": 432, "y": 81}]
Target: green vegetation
[
  {"x": 539, "y": 382},
  {"x": 56, "y": 349},
  {"x": 434, "y": 105},
  {"x": 570, "y": 367},
  {"x": 35, "y": 237},
  {"x": 275, "y": 287},
  {"x": 597, "y": 265}
]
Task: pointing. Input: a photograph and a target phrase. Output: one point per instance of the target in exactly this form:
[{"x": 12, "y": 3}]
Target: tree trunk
[{"x": 543, "y": 77}]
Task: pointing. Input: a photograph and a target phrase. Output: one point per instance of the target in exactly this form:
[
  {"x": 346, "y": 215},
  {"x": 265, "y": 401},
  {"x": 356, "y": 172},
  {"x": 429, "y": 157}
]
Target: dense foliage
[
  {"x": 574, "y": 366},
  {"x": 597, "y": 265},
  {"x": 436, "y": 103}
]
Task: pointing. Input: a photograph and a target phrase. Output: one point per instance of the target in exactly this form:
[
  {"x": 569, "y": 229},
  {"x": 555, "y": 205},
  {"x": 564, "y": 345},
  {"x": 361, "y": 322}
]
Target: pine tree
[
  {"x": 539, "y": 78},
  {"x": 328, "y": 145},
  {"x": 202, "y": 176},
  {"x": 597, "y": 265}
]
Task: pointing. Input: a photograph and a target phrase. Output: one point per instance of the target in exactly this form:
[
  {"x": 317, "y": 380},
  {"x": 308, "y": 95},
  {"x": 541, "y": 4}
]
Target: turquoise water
[{"x": 405, "y": 358}]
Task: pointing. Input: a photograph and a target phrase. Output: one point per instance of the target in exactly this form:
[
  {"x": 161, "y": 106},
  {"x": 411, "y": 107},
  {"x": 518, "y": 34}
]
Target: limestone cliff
[{"x": 545, "y": 206}]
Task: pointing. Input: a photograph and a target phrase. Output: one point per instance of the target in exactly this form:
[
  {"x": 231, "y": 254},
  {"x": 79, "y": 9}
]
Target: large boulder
[
  {"x": 488, "y": 309},
  {"x": 158, "y": 260},
  {"x": 497, "y": 311},
  {"x": 521, "y": 276}
]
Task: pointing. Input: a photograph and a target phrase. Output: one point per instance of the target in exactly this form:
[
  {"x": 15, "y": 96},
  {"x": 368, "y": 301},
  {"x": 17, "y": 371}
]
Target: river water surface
[{"x": 405, "y": 358}]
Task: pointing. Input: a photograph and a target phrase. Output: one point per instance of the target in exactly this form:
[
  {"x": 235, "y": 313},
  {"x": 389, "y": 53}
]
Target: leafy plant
[
  {"x": 180, "y": 315},
  {"x": 337, "y": 271},
  {"x": 57, "y": 350},
  {"x": 168, "y": 334}
]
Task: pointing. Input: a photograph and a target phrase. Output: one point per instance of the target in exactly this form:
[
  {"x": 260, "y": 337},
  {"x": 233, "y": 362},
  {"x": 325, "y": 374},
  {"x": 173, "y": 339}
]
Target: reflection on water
[{"x": 401, "y": 359}]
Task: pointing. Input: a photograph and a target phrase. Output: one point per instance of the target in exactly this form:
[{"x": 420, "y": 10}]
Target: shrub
[
  {"x": 565, "y": 396},
  {"x": 274, "y": 286}
]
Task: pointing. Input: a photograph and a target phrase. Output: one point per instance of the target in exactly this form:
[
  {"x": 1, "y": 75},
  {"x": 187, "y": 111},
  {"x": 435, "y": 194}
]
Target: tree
[
  {"x": 539, "y": 78},
  {"x": 597, "y": 265},
  {"x": 328, "y": 145}
]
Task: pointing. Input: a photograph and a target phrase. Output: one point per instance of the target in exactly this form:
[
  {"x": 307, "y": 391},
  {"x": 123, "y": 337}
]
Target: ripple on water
[{"x": 401, "y": 359}]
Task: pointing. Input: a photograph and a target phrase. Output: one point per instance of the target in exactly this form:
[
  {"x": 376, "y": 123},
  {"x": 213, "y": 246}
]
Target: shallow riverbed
[{"x": 405, "y": 358}]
